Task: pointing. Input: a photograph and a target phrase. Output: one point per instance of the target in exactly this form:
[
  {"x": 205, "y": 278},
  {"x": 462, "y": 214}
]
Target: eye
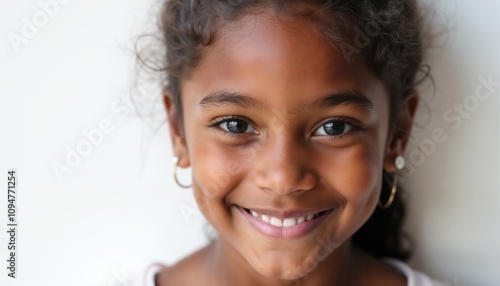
[
  {"x": 235, "y": 125},
  {"x": 334, "y": 128}
]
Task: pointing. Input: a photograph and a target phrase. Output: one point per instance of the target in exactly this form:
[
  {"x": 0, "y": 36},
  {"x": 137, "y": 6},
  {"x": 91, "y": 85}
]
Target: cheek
[
  {"x": 216, "y": 171},
  {"x": 361, "y": 174},
  {"x": 355, "y": 175},
  {"x": 364, "y": 166}
]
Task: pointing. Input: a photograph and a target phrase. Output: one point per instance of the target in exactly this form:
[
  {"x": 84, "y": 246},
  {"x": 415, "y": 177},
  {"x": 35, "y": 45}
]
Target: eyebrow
[
  {"x": 225, "y": 97},
  {"x": 349, "y": 97}
]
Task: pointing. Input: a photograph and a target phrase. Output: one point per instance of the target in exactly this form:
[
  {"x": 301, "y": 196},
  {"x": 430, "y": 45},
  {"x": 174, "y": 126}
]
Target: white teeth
[
  {"x": 276, "y": 222},
  {"x": 265, "y": 218},
  {"x": 287, "y": 222}
]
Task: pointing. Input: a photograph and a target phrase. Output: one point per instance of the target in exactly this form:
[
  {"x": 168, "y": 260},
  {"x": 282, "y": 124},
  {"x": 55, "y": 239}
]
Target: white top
[{"x": 414, "y": 278}]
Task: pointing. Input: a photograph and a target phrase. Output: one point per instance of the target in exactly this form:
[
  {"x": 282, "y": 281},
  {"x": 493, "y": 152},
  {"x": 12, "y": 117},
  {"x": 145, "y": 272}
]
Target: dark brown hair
[{"x": 385, "y": 33}]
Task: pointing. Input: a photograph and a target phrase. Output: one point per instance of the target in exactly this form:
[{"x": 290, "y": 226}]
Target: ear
[
  {"x": 401, "y": 131},
  {"x": 176, "y": 130}
]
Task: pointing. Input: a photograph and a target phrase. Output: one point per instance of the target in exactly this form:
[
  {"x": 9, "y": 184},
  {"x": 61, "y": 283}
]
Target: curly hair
[{"x": 385, "y": 33}]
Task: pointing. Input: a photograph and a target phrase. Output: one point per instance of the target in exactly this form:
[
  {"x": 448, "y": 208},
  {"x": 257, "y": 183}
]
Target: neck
[{"x": 228, "y": 267}]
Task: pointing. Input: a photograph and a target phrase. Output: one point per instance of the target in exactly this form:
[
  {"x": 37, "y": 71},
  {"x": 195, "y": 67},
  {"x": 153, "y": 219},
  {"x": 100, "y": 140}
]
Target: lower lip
[{"x": 295, "y": 231}]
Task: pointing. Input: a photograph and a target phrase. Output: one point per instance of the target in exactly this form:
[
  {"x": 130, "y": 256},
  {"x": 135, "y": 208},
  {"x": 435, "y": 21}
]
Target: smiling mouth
[
  {"x": 285, "y": 225},
  {"x": 285, "y": 222}
]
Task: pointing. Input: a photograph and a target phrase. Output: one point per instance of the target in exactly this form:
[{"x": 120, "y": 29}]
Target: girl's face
[{"x": 280, "y": 129}]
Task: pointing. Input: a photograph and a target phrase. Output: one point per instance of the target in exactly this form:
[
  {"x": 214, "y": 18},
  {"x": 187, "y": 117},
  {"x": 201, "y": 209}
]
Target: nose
[{"x": 284, "y": 167}]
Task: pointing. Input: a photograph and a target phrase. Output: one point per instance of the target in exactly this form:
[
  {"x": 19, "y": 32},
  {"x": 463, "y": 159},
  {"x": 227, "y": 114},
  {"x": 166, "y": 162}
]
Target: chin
[{"x": 285, "y": 267}]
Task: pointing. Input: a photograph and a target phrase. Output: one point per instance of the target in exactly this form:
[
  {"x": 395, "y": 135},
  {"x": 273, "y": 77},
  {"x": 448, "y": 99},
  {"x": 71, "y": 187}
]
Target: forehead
[{"x": 282, "y": 60}]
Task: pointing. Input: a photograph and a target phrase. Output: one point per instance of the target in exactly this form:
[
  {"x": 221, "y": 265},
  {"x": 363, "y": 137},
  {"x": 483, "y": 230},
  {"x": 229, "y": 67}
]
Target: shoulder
[
  {"x": 181, "y": 273},
  {"x": 389, "y": 271},
  {"x": 413, "y": 277},
  {"x": 374, "y": 272}
]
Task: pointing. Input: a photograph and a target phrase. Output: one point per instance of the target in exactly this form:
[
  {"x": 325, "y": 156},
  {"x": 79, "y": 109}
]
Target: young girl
[{"x": 294, "y": 117}]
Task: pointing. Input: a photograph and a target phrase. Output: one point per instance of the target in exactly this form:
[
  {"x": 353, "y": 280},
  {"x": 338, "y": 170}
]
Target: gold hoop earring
[
  {"x": 174, "y": 171},
  {"x": 400, "y": 164}
]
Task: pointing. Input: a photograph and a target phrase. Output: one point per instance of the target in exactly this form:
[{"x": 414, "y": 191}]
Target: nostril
[
  {"x": 285, "y": 169},
  {"x": 288, "y": 185}
]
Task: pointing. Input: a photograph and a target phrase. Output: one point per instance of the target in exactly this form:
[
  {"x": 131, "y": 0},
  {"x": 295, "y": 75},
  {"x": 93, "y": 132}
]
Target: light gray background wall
[{"x": 117, "y": 209}]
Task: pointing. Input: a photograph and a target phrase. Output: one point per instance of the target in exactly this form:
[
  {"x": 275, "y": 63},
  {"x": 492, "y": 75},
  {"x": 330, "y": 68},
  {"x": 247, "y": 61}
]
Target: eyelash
[
  {"x": 354, "y": 126},
  {"x": 217, "y": 122}
]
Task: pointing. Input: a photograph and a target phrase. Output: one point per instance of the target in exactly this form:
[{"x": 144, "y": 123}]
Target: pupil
[
  {"x": 237, "y": 126},
  {"x": 334, "y": 128}
]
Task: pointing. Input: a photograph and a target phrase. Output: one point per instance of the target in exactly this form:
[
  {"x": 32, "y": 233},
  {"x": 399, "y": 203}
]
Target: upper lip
[{"x": 286, "y": 213}]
